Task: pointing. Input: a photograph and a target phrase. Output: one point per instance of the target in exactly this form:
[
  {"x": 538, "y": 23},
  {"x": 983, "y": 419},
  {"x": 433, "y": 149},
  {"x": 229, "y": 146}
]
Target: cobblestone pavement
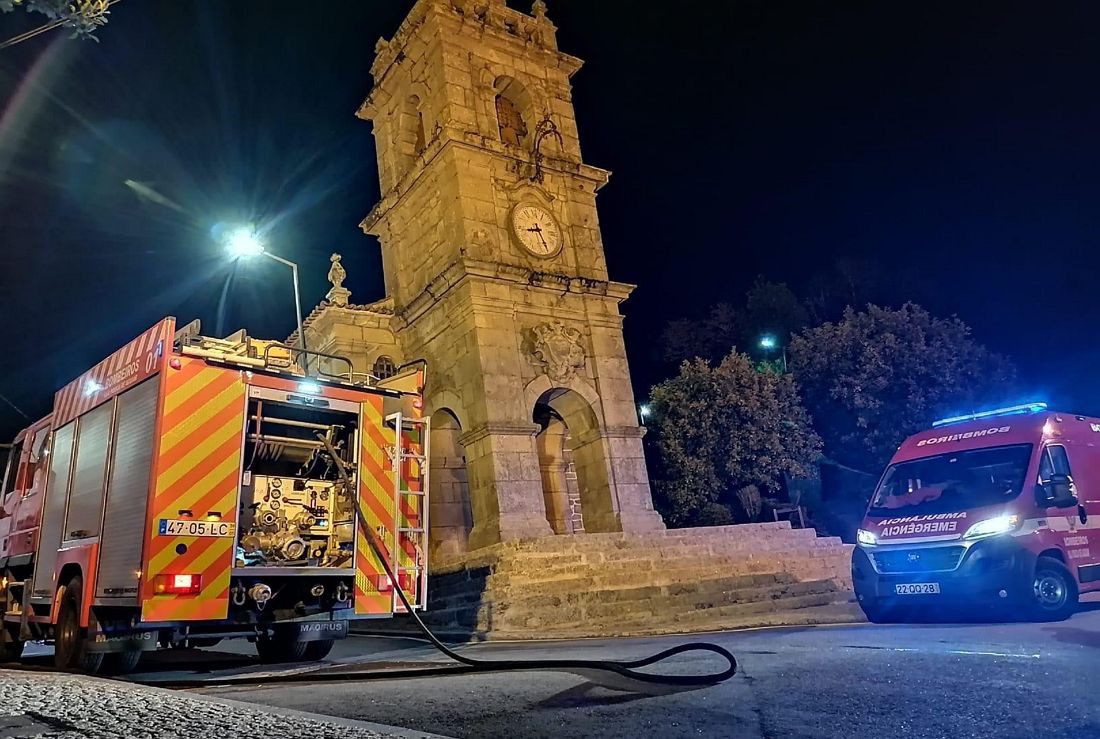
[{"x": 76, "y": 707}]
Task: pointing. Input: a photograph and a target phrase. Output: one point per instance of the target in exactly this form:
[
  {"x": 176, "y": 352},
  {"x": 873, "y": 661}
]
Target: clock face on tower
[{"x": 536, "y": 230}]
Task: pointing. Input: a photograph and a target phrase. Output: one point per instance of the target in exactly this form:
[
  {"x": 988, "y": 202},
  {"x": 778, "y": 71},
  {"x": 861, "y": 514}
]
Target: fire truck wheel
[
  {"x": 70, "y": 650},
  {"x": 11, "y": 648},
  {"x": 317, "y": 650},
  {"x": 280, "y": 650},
  {"x": 121, "y": 663},
  {"x": 1054, "y": 591}
]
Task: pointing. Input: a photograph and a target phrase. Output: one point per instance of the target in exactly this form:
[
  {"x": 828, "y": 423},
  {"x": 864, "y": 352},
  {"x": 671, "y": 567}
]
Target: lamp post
[
  {"x": 768, "y": 342},
  {"x": 244, "y": 243}
]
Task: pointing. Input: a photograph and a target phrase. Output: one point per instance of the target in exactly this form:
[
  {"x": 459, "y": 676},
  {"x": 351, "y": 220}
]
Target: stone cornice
[
  {"x": 498, "y": 429},
  {"x": 461, "y": 270},
  {"x": 324, "y": 311},
  {"x": 450, "y": 136},
  {"x": 625, "y": 432}
]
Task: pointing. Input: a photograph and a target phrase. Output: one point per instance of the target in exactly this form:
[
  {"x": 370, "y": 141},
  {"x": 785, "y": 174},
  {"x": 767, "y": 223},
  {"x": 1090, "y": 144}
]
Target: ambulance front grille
[{"x": 931, "y": 559}]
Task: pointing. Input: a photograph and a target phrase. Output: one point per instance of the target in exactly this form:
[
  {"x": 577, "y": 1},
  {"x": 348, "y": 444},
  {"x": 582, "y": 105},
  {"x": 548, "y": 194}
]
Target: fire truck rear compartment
[{"x": 296, "y": 524}]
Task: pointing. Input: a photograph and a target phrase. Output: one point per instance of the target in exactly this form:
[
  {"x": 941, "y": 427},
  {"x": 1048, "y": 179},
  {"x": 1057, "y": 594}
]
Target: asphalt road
[
  {"x": 957, "y": 680},
  {"x": 963, "y": 680}
]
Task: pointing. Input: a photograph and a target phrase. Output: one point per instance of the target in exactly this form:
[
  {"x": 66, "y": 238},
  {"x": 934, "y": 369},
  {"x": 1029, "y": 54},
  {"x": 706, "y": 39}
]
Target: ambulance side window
[{"x": 1055, "y": 461}]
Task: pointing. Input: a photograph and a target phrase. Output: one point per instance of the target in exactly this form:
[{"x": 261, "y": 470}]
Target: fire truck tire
[
  {"x": 121, "y": 663},
  {"x": 1054, "y": 591},
  {"x": 11, "y": 648},
  {"x": 280, "y": 650},
  {"x": 70, "y": 651},
  {"x": 317, "y": 650}
]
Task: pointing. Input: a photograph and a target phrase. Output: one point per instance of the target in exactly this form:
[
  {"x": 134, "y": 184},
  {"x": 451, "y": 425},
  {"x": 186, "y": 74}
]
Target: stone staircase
[{"x": 661, "y": 582}]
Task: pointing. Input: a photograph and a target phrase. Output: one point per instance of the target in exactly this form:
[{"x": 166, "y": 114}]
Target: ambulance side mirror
[{"x": 1057, "y": 491}]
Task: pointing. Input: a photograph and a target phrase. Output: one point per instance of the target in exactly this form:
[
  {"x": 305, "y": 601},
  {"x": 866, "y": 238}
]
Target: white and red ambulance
[{"x": 998, "y": 508}]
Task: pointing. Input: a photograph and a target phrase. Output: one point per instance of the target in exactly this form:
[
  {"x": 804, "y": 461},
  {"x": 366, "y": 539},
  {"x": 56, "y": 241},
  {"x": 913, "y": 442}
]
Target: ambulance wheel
[
  {"x": 880, "y": 612},
  {"x": 317, "y": 650},
  {"x": 1054, "y": 591},
  {"x": 121, "y": 663},
  {"x": 272, "y": 650},
  {"x": 70, "y": 649}
]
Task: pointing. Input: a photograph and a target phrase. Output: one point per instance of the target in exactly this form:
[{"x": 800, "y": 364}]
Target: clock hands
[{"x": 536, "y": 229}]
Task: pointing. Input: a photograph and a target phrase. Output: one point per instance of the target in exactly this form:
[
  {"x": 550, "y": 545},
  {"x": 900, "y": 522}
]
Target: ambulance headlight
[
  {"x": 993, "y": 527},
  {"x": 866, "y": 538}
]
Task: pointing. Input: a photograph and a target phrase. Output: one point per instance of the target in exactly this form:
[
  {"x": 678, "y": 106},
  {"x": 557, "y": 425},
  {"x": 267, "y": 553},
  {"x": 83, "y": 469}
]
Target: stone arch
[
  {"x": 450, "y": 516},
  {"x": 571, "y": 442},
  {"x": 541, "y": 385},
  {"x": 448, "y": 400},
  {"x": 514, "y": 108}
]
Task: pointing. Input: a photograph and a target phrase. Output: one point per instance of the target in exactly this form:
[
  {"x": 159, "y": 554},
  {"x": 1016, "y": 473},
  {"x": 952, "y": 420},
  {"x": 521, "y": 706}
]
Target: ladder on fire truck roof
[
  {"x": 409, "y": 466},
  {"x": 243, "y": 350}
]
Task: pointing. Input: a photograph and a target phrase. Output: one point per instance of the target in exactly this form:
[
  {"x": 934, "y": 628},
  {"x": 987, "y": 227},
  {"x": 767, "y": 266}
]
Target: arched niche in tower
[
  {"x": 513, "y": 110},
  {"x": 450, "y": 515},
  {"x": 411, "y": 131}
]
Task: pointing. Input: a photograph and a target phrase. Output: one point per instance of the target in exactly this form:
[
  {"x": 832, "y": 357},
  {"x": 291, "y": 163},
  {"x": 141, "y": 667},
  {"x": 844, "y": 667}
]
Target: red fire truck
[
  {"x": 189, "y": 489},
  {"x": 994, "y": 508}
]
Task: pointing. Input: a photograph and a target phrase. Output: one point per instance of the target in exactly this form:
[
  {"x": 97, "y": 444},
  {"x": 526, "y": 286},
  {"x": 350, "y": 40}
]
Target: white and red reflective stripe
[{"x": 74, "y": 400}]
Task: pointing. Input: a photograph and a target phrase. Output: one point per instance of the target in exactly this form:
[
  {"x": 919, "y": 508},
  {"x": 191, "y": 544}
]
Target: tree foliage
[
  {"x": 721, "y": 429},
  {"x": 82, "y": 17},
  {"x": 769, "y": 308},
  {"x": 879, "y": 375}
]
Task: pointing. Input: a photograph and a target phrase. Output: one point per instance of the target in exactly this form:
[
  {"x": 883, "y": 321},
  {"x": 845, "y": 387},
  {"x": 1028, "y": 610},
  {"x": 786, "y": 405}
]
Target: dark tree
[
  {"x": 879, "y": 375},
  {"x": 772, "y": 308},
  {"x": 709, "y": 338},
  {"x": 727, "y": 435}
]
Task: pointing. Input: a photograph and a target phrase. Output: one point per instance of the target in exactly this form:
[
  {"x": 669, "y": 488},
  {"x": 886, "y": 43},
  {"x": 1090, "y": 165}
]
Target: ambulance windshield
[{"x": 952, "y": 482}]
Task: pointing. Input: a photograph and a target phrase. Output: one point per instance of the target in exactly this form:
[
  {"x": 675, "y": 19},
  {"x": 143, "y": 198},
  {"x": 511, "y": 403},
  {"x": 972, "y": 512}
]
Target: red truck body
[{"x": 187, "y": 489}]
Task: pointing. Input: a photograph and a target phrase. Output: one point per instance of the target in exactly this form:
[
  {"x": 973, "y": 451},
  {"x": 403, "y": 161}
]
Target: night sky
[{"x": 953, "y": 145}]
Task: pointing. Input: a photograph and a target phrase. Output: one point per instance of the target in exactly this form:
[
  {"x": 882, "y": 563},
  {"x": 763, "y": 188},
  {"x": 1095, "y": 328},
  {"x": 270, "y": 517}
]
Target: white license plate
[
  {"x": 189, "y": 527},
  {"x": 917, "y": 588}
]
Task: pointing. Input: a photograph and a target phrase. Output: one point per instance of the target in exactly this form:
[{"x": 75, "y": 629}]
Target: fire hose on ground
[{"x": 625, "y": 675}]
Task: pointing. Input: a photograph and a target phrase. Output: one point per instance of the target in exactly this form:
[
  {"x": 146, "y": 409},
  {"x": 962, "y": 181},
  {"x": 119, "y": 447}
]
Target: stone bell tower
[{"x": 495, "y": 267}]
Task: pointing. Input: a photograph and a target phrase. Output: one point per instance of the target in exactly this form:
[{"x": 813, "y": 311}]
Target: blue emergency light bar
[{"x": 1012, "y": 410}]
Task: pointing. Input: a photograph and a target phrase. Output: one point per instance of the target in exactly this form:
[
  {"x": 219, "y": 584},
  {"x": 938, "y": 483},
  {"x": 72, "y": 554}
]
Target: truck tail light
[{"x": 178, "y": 584}]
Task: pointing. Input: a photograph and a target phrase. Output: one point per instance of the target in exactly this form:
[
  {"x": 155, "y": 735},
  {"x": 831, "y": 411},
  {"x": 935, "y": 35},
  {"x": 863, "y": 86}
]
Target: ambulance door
[{"x": 1077, "y": 527}]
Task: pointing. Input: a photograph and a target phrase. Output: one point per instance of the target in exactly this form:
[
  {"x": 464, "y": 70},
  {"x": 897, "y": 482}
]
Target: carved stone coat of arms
[{"x": 559, "y": 349}]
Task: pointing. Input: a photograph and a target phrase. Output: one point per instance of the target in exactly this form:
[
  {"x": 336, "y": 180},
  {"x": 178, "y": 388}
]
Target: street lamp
[
  {"x": 644, "y": 412},
  {"x": 245, "y": 243},
  {"x": 768, "y": 342}
]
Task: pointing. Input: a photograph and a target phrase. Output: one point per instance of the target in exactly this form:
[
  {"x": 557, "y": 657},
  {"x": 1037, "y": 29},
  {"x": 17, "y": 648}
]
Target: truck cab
[{"x": 997, "y": 511}]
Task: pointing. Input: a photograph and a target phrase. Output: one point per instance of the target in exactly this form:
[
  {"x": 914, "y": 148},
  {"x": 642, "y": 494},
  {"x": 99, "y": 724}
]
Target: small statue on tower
[{"x": 339, "y": 294}]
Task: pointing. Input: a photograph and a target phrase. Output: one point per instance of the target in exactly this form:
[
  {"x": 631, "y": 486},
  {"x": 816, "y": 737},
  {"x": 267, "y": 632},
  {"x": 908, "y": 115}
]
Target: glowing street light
[
  {"x": 245, "y": 243},
  {"x": 644, "y": 411},
  {"x": 768, "y": 342}
]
